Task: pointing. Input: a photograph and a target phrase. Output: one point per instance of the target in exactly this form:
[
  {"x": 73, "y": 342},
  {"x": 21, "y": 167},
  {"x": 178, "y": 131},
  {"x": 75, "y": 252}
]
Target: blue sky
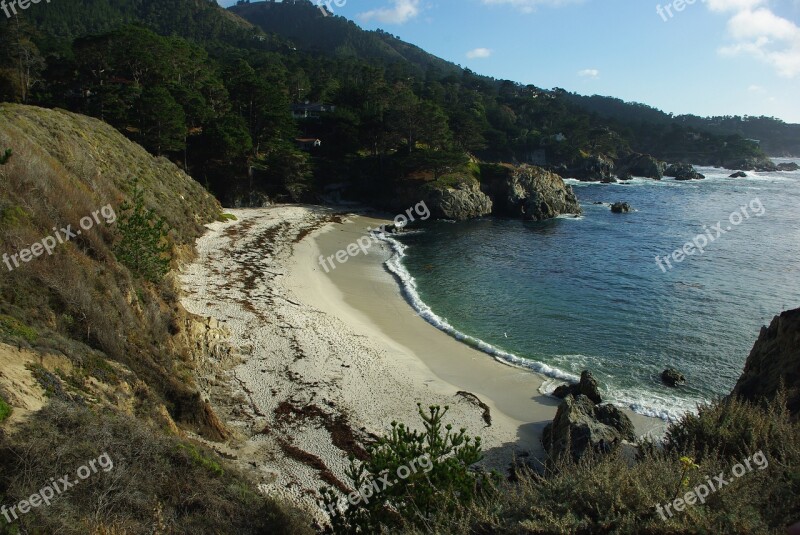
[{"x": 713, "y": 57}]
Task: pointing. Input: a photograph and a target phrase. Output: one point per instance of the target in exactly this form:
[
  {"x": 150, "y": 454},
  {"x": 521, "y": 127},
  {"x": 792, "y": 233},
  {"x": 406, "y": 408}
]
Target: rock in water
[
  {"x": 672, "y": 377},
  {"x": 621, "y": 208},
  {"x": 643, "y": 165},
  {"x": 683, "y": 171},
  {"x": 532, "y": 193},
  {"x": 774, "y": 360},
  {"x": 738, "y": 174}
]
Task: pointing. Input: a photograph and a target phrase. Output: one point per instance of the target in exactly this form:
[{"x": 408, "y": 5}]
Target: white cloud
[
  {"x": 479, "y": 53},
  {"x": 760, "y": 33},
  {"x": 589, "y": 73},
  {"x": 528, "y": 6},
  {"x": 756, "y": 89},
  {"x": 401, "y": 12}
]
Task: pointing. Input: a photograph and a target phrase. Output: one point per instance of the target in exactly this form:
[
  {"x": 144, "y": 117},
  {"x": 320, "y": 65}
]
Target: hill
[{"x": 98, "y": 357}]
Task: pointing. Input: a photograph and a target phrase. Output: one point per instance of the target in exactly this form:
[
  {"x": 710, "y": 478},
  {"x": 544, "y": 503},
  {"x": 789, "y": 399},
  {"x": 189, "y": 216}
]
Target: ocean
[{"x": 569, "y": 294}]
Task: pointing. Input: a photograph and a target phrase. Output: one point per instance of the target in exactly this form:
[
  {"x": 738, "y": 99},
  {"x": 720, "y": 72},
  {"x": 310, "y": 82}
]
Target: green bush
[
  {"x": 5, "y": 157},
  {"x": 13, "y": 328},
  {"x": 428, "y": 472},
  {"x": 143, "y": 246},
  {"x": 5, "y": 410}
]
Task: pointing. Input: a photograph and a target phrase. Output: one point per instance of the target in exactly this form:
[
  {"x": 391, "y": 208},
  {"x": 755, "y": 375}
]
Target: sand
[{"x": 320, "y": 361}]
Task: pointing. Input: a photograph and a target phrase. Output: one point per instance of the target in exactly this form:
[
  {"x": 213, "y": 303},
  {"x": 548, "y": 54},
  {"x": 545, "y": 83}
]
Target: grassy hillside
[{"x": 106, "y": 352}]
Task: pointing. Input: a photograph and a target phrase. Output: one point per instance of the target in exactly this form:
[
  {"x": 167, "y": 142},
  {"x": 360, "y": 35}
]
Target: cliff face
[
  {"x": 108, "y": 326},
  {"x": 774, "y": 359}
]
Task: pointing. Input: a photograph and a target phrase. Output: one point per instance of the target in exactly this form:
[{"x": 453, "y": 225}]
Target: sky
[{"x": 705, "y": 57}]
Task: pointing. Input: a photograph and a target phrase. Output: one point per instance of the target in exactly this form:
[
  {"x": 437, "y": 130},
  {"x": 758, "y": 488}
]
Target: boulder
[
  {"x": 621, "y": 208},
  {"x": 463, "y": 201},
  {"x": 774, "y": 361},
  {"x": 588, "y": 386},
  {"x": 532, "y": 193},
  {"x": 625, "y": 176},
  {"x": 751, "y": 164},
  {"x": 580, "y": 426},
  {"x": 642, "y": 165},
  {"x": 738, "y": 174},
  {"x": 592, "y": 168},
  {"x": 790, "y": 166},
  {"x": 683, "y": 171},
  {"x": 672, "y": 377}
]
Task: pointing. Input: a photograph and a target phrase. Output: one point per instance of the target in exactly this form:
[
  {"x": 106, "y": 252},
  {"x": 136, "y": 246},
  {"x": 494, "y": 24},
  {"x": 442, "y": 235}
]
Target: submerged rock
[
  {"x": 789, "y": 166},
  {"x": 738, "y": 174},
  {"x": 672, "y": 377}
]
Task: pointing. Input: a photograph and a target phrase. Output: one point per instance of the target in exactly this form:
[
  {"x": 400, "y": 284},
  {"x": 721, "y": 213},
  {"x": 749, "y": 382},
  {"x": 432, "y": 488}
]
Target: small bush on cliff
[
  {"x": 142, "y": 247},
  {"x": 5, "y": 156},
  {"x": 5, "y": 410},
  {"x": 409, "y": 476}
]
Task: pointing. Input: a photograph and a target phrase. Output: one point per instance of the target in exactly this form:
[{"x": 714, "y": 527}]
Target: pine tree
[{"x": 143, "y": 246}]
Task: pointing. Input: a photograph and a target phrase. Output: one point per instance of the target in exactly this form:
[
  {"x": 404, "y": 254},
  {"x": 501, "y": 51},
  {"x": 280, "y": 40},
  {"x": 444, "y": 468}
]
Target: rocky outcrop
[
  {"x": 642, "y": 165},
  {"x": 672, "y": 377},
  {"x": 738, "y": 174},
  {"x": 790, "y": 166},
  {"x": 774, "y": 361},
  {"x": 683, "y": 171},
  {"x": 592, "y": 168},
  {"x": 751, "y": 164},
  {"x": 621, "y": 208},
  {"x": 588, "y": 386},
  {"x": 581, "y": 426},
  {"x": 463, "y": 201},
  {"x": 531, "y": 193}
]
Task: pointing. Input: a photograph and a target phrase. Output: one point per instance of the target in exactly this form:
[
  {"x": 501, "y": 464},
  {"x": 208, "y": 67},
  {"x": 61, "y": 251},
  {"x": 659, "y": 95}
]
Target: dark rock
[
  {"x": 594, "y": 168},
  {"x": 774, "y": 361},
  {"x": 532, "y": 193},
  {"x": 621, "y": 208},
  {"x": 751, "y": 164},
  {"x": 464, "y": 201},
  {"x": 580, "y": 426},
  {"x": 738, "y": 174},
  {"x": 625, "y": 176},
  {"x": 672, "y": 377},
  {"x": 789, "y": 166},
  {"x": 588, "y": 386},
  {"x": 683, "y": 171},
  {"x": 642, "y": 165}
]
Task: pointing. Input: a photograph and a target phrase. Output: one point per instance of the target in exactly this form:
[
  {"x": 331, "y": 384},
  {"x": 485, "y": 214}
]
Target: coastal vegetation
[
  {"x": 148, "y": 107},
  {"x": 212, "y": 90}
]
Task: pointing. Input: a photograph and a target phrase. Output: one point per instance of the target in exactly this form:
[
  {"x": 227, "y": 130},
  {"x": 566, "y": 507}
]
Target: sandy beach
[{"x": 318, "y": 362}]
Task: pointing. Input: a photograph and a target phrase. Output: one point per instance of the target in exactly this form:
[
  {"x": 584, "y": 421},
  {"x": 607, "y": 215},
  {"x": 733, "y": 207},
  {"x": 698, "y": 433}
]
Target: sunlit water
[{"x": 572, "y": 294}]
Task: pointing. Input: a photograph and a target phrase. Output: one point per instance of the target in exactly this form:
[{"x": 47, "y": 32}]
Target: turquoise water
[{"x": 572, "y": 294}]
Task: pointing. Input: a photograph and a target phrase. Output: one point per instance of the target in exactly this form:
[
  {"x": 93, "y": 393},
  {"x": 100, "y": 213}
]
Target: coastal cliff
[{"x": 774, "y": 362}]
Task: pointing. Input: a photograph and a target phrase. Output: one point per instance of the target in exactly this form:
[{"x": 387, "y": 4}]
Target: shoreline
[
  {"x": 511, "y": 390},
  {"x": 310, "y": 365}
]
